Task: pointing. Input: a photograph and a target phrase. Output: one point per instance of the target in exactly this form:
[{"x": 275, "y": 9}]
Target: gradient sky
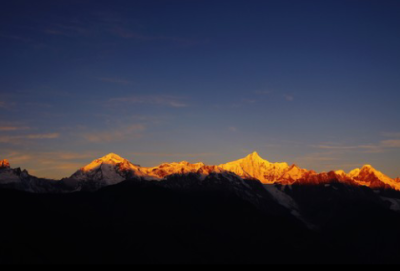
[{"x": 316, "y": 83}]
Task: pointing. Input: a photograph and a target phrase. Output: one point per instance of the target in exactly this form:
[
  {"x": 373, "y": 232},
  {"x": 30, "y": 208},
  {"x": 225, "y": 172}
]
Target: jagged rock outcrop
[
  {"x": 184, "y": 167},
  {"x": 15, "y": 178},
  {"x": 4, "y": 164}
]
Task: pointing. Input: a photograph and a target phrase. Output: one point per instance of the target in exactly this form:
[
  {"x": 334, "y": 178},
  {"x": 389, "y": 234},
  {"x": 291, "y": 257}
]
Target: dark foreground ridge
[{"x": 140, "y": 222}]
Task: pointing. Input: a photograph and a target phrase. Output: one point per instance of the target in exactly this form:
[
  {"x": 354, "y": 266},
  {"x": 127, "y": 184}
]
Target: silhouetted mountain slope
[
  {"x": 317, "y": 203},
  {"x": 136, "y": 223},
  {"x": 355, "y": 224},
  {"x": 144, "y": 223}
]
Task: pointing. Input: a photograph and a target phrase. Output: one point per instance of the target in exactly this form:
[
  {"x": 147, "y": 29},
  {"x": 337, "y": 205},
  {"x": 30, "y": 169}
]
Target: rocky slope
[{"x": 21, "y": 180}]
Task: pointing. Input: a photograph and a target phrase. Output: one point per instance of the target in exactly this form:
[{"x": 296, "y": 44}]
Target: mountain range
[
  {"x": 112, "y": 169},
  {"x": 245, "y": 211},
  {"x": 251, "y": 178}
]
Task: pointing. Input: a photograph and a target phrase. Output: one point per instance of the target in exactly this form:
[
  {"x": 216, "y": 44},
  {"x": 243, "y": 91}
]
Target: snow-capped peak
[
  {"x": 109, "y": 169},
  {"x": 112, "y": 157},
  {"x": 367, "y": 167},
  {"x": 371, "y": 177},
  {"x": 340, "y": 172},
  {"x": 255, "y": 157},
  {"x": 371, "y": 170},
  {"x": 253, "y": 166}
]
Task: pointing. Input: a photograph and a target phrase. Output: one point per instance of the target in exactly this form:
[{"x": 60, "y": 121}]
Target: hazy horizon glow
[{"x": 315, "y": 83}]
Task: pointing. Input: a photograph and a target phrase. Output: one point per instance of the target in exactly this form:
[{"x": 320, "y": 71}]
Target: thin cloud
[
  {"x": 70, "y": 29},
  {"x": 16, "y": 38},
  {"x": 335, "y": 147},
  {"x": 345, "y": 148},
  {"x": 73, "y": 155},
  {"x": 239, "y": 104},
  {"x": 50, "y": 164},
  {"x": 55, "y": 32},
  {"x": 12, "y": 128},
  {"x": 319, "y": 160},
  {"x": 38, "y": 105},
  {"x": 160, "y": 100},
  {"x": 263, "y": 92},
  {"x": 163, "y": 154},
  {"x": 6, "y": 105},
  {"x": 43, "y": 136},
  {"x": 52, "y": 169},
  {"x": 18, "y": 156},
  {"x": 392, "y": 135},
  {"x": 380, "y": 147},
  {"x": 74, "y": 27},
  {"x": 289, "y": 98},
  {"x": 393, "y": 143},
  {"x": 134, "y": 131},
  {"x": 20, "y": 138},
  {"x": 342, "y": 166},
  {"x": 115, "y": 81},
  {"x": 249, "y": 101},
  {"x": 125, "y": 33}
]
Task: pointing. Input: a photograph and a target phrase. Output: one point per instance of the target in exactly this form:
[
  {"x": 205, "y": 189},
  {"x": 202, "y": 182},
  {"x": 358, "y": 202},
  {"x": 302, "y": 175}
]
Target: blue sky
[{"x": 314, "y": 83}]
